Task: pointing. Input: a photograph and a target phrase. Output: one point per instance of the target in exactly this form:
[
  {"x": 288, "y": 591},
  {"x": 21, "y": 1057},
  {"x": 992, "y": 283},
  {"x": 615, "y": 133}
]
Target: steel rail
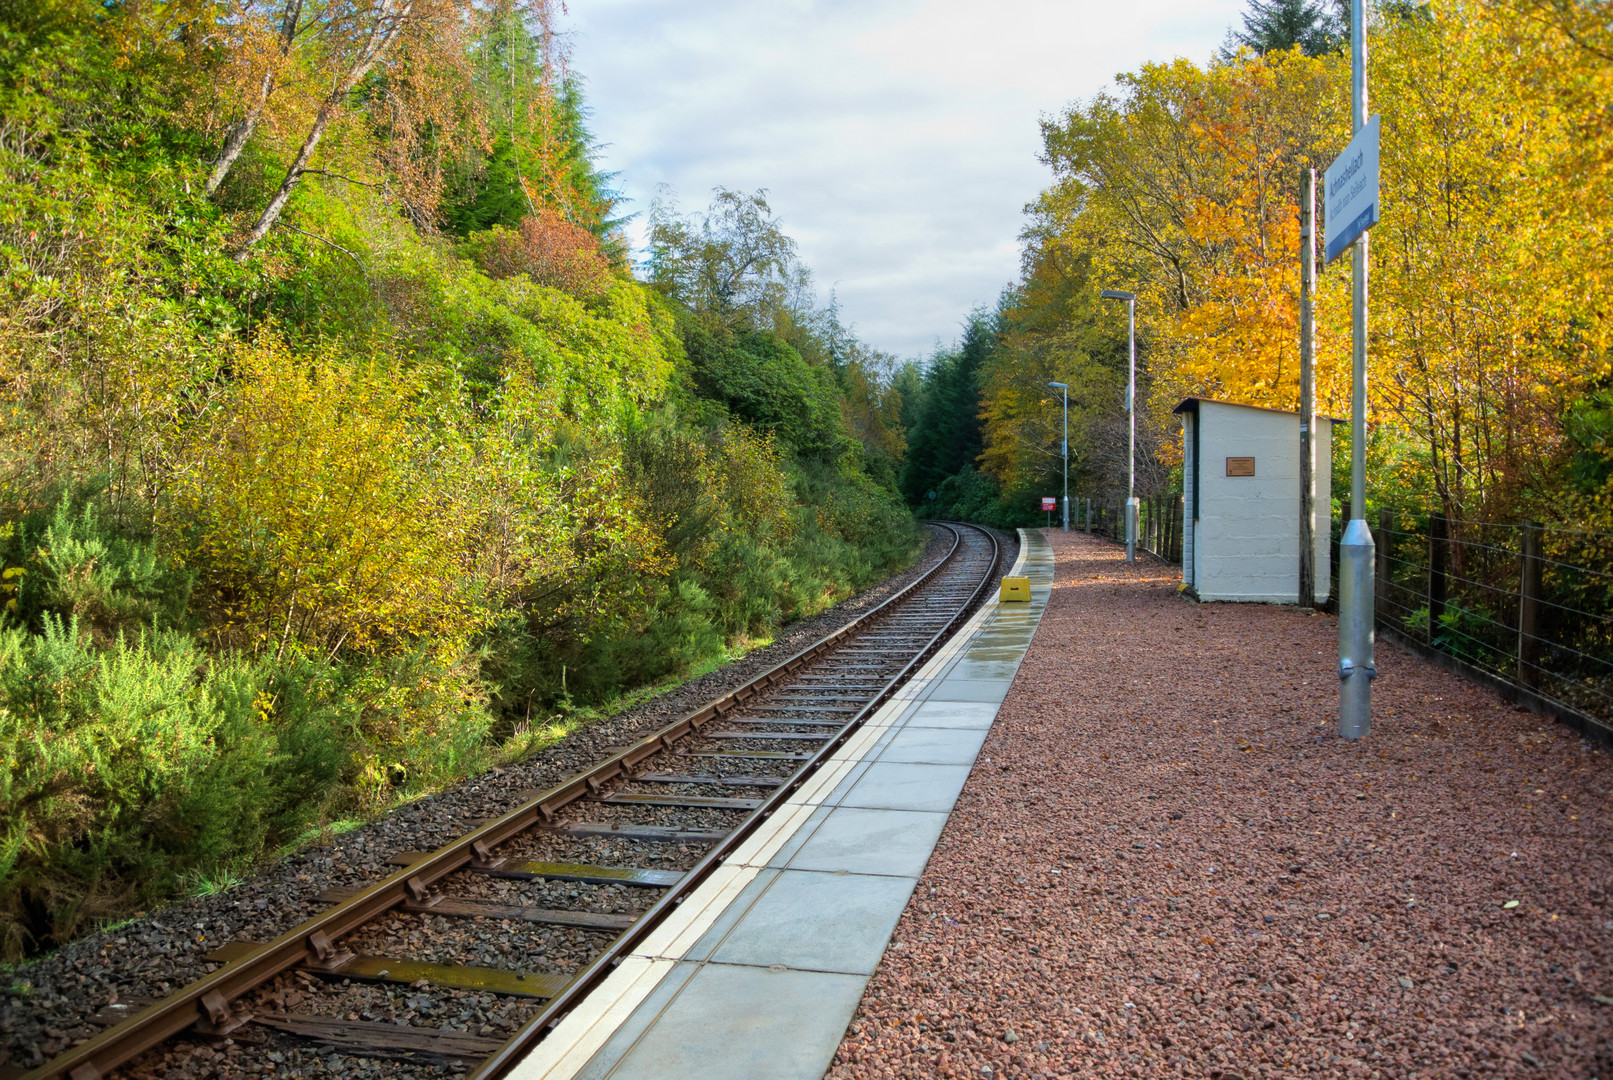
[
  {"x": 205, "y": 1004},
  {"x": 532, "y": 1032}
]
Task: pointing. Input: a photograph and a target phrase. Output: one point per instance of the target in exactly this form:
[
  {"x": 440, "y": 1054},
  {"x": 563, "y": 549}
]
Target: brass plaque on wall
[{"x": 1240, "y": 466}]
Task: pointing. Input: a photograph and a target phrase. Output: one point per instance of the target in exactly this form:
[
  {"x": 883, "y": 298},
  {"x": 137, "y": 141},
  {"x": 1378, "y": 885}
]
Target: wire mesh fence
[
  {"x": 1159, "y": 523},
  {"x": 1525, "y": 603}
]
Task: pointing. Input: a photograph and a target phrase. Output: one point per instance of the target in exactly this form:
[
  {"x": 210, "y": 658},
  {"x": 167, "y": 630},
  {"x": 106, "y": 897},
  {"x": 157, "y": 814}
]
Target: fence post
[
  {"x": 1178, "y": 527},
  {"x": 1438, "y": 561},
  {"x": 1381, "y": 593},
  {"x": 1529, "y": 590},
  {"x": 1333, "y": 545},
  {"x": 1089, "y": 517}
]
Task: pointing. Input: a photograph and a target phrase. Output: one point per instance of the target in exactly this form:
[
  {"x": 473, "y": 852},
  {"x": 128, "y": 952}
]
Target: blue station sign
[{"x": 1351, "y": 191}]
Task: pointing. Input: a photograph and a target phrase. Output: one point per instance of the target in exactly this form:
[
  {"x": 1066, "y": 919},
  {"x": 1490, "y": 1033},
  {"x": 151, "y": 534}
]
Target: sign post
[
  {"x": 1048, "y": 503},
  {"x": 1131, "y": 418},
  {"x": 1352, "y": 209},
  {"x": 1064, "y": 451},
  {"x": 1307, "y": 390}
]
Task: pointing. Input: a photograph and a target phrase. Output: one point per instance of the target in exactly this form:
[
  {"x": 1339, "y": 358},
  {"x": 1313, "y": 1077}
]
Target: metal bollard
[{"x": 1356, "y": 633}]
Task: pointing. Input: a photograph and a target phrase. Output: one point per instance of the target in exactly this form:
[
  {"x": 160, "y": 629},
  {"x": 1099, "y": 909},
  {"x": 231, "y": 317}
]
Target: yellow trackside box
[{"x": 1015, "y": 590}]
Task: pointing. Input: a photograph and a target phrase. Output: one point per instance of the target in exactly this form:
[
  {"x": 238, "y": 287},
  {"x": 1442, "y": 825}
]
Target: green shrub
[
  {"x": 132, "y": 768},
  {"x": 348, "y": 511},
  {"x": 970, "y": 495},
  {"x": 69, "y": 562}
]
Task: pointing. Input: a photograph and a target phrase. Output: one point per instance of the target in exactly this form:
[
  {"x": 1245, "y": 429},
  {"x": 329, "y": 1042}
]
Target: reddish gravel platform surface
[{"x": 1166, "y": 863}]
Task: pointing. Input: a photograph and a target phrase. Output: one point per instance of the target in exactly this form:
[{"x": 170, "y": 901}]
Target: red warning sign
[{"x": 1049, "y": 503}]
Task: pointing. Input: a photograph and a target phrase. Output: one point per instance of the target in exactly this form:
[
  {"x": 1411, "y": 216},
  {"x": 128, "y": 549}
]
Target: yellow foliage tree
[
  {"x": 1185, "y": 189},
  {"x": 323, "y": 508},
  {"x": 1489, "y": 288},
  {"x": 1489, "y": 311}
]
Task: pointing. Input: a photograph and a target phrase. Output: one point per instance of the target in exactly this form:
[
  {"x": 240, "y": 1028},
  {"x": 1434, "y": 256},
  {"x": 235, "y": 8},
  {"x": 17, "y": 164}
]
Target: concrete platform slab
[
  {"x": 991, "y": 690},
  {"x": 718, "y": 927},
  {"x": 841, "y": 790},
  {"x": 725, "y": 895},
  {"x": 953, "y": 714},
  {"x": 895, "y": 785},
  {"x": 615, "y": 1014},
  {"x": 815, "y": 921},
  {"x": 760, "y": 969},
  {"x": 728, "y": 1022},
  {"x": 975, "y": 668},
  {"x": 934, "y": 746},
  {"x": 605, "y": 1058},
  {"x": 883, "y": 842}
]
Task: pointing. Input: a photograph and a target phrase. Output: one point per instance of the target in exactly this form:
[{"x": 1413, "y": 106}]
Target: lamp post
[
  {"x": 1357, "y": 552},
  {"x": 1131, "y": 415},
  {"x": 1065, "y": 454}
]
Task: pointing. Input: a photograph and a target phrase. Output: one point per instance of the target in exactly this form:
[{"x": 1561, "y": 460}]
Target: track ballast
[{"x": 468, "y": 954}]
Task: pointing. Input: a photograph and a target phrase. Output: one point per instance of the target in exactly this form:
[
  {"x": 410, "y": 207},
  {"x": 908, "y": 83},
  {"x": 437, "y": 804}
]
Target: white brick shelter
[{"x": 1240, "y": 502}]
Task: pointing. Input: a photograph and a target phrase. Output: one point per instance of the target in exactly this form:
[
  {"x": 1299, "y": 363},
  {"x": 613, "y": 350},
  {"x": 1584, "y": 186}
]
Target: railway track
[{"x": 546, "y": 898}]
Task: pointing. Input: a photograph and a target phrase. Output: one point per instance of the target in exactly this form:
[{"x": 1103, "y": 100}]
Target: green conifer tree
[{"x": 1275, "y": 25}]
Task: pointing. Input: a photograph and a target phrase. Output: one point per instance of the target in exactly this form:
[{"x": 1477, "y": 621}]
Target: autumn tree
[
  {"x": 1489, "y": 320},
  {"x": 1490, "y": 305},
  {"x": 1583, "y": 22},
  {"x": 256, "y": 62},
  {"x": 550, "y": 250},
  {"x": 1182, "y": 187},
  {"x": 398, "y": 77}
]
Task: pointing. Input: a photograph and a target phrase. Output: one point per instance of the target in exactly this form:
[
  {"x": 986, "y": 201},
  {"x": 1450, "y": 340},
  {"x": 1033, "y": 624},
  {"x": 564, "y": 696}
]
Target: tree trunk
[
  {"x": 249, "y": 123},
  {"x": 239, "y": 136},
  {"x": 379, "y": 41}
]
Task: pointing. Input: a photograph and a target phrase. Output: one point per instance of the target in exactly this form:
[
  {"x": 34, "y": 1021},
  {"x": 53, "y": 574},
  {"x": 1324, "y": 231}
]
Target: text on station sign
[{"x": 1351, "y": 191}]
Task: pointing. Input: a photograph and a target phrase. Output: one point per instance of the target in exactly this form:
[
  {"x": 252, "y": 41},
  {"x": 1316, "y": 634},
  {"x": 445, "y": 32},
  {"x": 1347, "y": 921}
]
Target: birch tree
[{"x": 263, "y": 67}]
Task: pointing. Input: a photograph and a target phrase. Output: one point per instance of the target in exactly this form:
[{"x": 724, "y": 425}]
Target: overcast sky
[{"x": 897, "y": 139}]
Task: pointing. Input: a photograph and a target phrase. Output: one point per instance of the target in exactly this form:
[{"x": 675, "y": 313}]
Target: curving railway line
[{"x": 524, "y": 915}]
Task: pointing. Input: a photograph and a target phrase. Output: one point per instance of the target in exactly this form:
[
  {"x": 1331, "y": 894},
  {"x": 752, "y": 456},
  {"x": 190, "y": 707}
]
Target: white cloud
[{"x": 897, "y": 140}]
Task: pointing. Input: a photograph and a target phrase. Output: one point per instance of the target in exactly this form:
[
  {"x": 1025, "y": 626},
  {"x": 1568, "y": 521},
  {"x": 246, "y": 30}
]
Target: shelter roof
[{"x": 1192, "y": 404}]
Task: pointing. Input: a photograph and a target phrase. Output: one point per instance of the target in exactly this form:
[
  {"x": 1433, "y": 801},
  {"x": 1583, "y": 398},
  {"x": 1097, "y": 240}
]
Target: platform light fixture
[
  {"x": 1065, "y": 453},
  {"x": 1131, "y": 414}
]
